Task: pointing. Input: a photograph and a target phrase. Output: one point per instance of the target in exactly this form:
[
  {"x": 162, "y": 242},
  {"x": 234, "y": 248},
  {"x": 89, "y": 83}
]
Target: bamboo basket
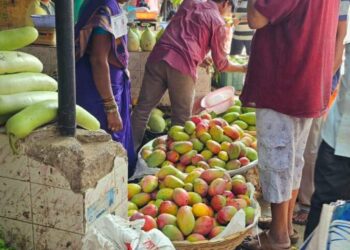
[{"x": 228, "y": 243}]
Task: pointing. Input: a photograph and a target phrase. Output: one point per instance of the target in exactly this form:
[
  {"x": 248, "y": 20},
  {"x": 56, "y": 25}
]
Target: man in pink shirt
[
  {"x": 197, "y": 28},
  {"x": 289, "y": 82}
]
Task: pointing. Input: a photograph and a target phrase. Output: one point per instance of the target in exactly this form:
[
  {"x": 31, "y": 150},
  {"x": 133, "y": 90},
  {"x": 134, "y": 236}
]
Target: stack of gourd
[{"x": 28, "y": 98}]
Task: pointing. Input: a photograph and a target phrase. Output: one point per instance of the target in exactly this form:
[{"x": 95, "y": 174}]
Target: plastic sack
[
  {"x": 111, "y": 232},
  {"x": 333, "y": 231}
]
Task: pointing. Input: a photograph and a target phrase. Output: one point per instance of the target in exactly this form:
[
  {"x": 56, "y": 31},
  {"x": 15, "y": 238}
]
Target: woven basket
[{"x": 228, "y": 243}]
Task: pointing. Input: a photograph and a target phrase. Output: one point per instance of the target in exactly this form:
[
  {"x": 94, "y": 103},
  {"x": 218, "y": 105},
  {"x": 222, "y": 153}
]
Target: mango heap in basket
[{"x": 195, "y": 206}]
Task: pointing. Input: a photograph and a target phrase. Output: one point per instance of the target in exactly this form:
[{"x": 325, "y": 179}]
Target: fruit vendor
[
  {"x": 103, "y": 85},
  {"x": 289, "y": 82},
  {"x": 197, "y": 28}
]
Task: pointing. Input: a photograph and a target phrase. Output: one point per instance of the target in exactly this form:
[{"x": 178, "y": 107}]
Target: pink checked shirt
[{"x": 196, "y": 28}]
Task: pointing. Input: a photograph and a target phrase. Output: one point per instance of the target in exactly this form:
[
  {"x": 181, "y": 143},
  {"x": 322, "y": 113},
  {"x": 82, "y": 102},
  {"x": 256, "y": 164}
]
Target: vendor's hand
[{"x": 114, "y": 120}]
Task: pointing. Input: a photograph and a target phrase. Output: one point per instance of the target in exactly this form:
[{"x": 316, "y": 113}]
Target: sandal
[
  {"x": 263, "y": 242},
  {"x": 300, "y": 217},
  {"x": 265, "y": 222}
]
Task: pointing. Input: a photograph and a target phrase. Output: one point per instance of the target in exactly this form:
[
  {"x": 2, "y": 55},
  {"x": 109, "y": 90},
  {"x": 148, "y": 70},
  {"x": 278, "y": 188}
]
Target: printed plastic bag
[{"x": 111, "y": 232}]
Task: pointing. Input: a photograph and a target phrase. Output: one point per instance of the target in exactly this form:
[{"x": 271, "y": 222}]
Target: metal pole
[{"x": 66, "y": 67}]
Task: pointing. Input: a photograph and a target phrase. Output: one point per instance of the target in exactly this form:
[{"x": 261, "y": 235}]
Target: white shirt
[{"x": 336, "y": 130}]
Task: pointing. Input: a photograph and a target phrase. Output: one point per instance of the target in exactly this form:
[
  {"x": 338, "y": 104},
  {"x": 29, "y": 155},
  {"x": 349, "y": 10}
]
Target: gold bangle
[
  {"x": 108, "y": 99},
  {"x": 111, "y": 110}
]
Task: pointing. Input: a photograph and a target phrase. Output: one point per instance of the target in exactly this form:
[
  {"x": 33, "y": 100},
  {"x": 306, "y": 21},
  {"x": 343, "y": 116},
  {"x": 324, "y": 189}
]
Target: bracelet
[
  {"x": 113, "y": 110},
  {"x": 108, "y": 99}
]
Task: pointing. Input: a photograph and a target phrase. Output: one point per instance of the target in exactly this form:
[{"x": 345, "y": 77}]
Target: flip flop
[
  {"x": 262, "y": 242},
  {"x": 300, "y": 217}
]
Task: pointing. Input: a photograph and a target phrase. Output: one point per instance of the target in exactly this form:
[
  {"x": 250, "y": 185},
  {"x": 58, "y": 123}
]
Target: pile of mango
[
  {"x": 193, "y": 207},
  {"x": 144, "y": 41},
  {"x": 28, "y": 98},
  {"x": 202, "y": 142}
]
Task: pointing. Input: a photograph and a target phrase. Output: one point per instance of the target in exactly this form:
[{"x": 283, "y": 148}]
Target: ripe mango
[
  {"x": 145, "y": 153},
  {"x": 197, "y": 158},
  {"x": 211, "y": 174},
  {"x": 180, "y": 136},
  {"x": 186, "y": 159},
  {"x": 189, "y": 127},
  {"x": 233, "y": 165},
  {"x": 173, "y": 233},
  {"x": 165, "y": 219},
  {"x": 203, "y": 165},
  {"x": 216, "y": 231},
  {"x": 216, "y": 133},
  {"x": 194, "y": 198},
  {"x": 181, "y": 197},
  {"x": 216, "y": 162},
  {"x": 223, "y": 155},
  {"x": 189, "y": 169},
  {"x": 171, "y": 181},
  {"x": 232, "y": 132},
  {"x": 213, "y": 146},
  {"x": 251, "y": 154},
  {"x": 141, "y": 199},
  {"x": 149, "y": 209},
  {"x": 217, "y": 187},
  {"x": 249, "y": 118},
  {"x": 218, "y": 202},
  {"x": 247, "y": 141},
  {"x": 192, "y": 176},
  {"x": 185, "y": 220},
  {"x": 156, "y": 158},
  {"x": 182, "y": 147},
  {"x": 200, "y": 187},
  {"x": 207, "y": 154},
  {"x": 202, "y": 209},
  {"x": 241, "y": 124},
  {"x": 225, "y": 214},
  {"x": 195, "y": 237},
  {"x": 149, "y": 183},
  {"x": 197, "y": 144},
  {"x": 188, "y": 187},
  {"x": 234, "y": 150},
  {"x": 133, "y": 189},
  {"x": 239, "y": 187},
  {"x": 225, "y": 138},
  {"x": 165, "y": 194},
  {"x": 231, "y": 117},
  {"x": 205, "y": 137},
  {"x": 168, "y": 207},
  {"x": 172, "y": 156},
  {"x": 203, "y": 225},
  {"x": 202, "y": 127}
]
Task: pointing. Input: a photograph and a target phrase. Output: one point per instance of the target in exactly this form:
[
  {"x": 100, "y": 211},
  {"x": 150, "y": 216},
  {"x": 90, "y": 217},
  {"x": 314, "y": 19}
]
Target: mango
[
  {"x": 180, "y": 197},
  {"x": 216, "y": 187},
  {"x": 149, "y": 183},
  {"x": 203, "y": 165},
  {"x": 233, "y": 165},
  {"x": 181, "y": 136},
  {"x": 204, "y": 137},
  {"x": 225, "y": 214},
  {"x": 213, "y": 146},
  {"x": 249, "y": 215},
  {"x": 249, "y": 118},
  {"x": 156, "y": 123},
  {"x": 197, "y": 144},
  {"x": 158, "y": 141},
  {"x": 225, "y": 146},
  {"x": 137, "y": 216},
  {"x": 133, "y": 189},
  {"x": 216, "y": 162},
  {"x": 218, "y": 202},
  {"x": 168, "y": 207},
  {"x": 185, "y": 220},
  {"x": 245, "y": 197},
  {"x": 231, "y": 117},
  {"x": 181, "y": 167},
  {"x": 206, "y": 116},
  {"x": 132, "y": 212},
  {"x": 182, "y": 147},
  {"x": 158, "y": 202},
  {"x": 202, "y": 209},
  {"x": 174, "y": 129},
  {"x": 247, "y": 141},
  {"x": 167, "y": 163},
  {"x": 145, "y": 153},
  {"x": 157, "y": 111},
  {"x": 241, "y": 124},
  {"x": 239, "y": 187},
  {"x": 165, "y": 219},
  {"x": 242, "y": 203},
  {"x": 156, "y": 158},
  {"x": 238, "y": 102},
  {"x": 234, "y": 150},
  {"x": 251, "y": 154},
  {"x": 172, "y": 156},
  {"x": 165, "y": 194},
  {"x": 149, "y": 209},
  {"x": 200, "y": 187},
  {"x": 192, "y": 176},
  {"x": 141, "y": 199},
  {"x": 216, "y": 231},
  {"x": 189, "y": 127},
  {"x": 202, "y": 127},
  {"x": 194, "y": 198},
  {"x": 207, "y": 154},
  {"x": 211, "y": 174},
  {"x": 161, "y": 147},
  {"x": 225, "y": 138},
  {"x": 186, "y": 159},
  {"x": 197, "y": 158},
  {"x": 195, "y": 237},
  {"x": 173, "y": 233},
  {"x": 170, "y": 170},
  {"x": 239, "y": 177},
  {"x": 228, "y": 194},
  {"x": 132, "y": 206},
  {"x": 223, "y": 155},
  {"x": 171, "y": 181},
  {"x": 150, "y": 223},
  {"x": 203, "y": 225},
  {"x": 196, "y": 119},
  {"x": 234, "y": 108},
  {"x": 239, "y": 129},
  {"x": 189, "y": 169},
  {"x": 188, "y": 187},
  {"x": 216, "y": 133},
  {"x": 251, "y": 128},
  {"x": 232, "y": 132},
  {"x": 248, "y": 109}
]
